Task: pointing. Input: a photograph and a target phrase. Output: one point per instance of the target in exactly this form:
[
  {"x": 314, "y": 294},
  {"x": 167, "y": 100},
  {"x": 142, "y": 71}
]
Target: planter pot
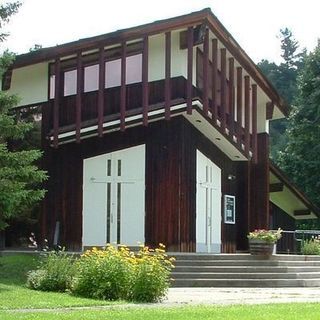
[{"x": 260, "y": 247}]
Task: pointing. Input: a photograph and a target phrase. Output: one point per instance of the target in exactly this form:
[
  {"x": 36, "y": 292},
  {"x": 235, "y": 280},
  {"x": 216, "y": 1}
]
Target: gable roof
[
  {"x": 290, "y": 199},
  {"x": 198, "y": 17}
]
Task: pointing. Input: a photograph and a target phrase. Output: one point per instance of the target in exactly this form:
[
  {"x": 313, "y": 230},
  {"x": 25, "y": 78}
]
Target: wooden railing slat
[
  {"x": 190, "y": 69},
  {"x": 145, "y": 83}
]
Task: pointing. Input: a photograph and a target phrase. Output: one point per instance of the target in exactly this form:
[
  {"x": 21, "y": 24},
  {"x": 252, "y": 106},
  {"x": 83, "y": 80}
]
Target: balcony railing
[{"x": 229, "y": 101}]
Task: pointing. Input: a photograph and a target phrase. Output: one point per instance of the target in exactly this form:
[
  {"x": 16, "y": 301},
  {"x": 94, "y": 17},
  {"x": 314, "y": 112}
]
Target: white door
[
  {"x": 114, "y": 198},
  {"x": 208, "y": 215}
]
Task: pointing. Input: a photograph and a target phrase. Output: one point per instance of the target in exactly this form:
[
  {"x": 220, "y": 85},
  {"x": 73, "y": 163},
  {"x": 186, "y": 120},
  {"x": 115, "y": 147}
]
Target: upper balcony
[{"x": 188, "y": 65}]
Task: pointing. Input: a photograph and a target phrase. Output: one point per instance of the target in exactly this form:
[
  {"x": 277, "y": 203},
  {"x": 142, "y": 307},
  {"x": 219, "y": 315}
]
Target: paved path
[
  {"x": 224, "y": 296},
  {"x": 179, "y": 297}
]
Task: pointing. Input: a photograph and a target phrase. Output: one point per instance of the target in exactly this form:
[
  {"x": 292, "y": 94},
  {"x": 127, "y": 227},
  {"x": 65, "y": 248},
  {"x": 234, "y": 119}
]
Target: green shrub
[
  {"x": 54, "y": 272},
  {"x": 311, "y": 247},
  {"x": 151, "y": 278},
  {"x": 103, "y": 274}
]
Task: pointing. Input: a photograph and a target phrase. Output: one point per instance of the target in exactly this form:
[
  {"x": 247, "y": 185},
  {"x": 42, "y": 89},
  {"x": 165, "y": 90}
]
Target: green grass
[
  {"x": 15, "y": 295},
  {"x": 262, "y": 312}
]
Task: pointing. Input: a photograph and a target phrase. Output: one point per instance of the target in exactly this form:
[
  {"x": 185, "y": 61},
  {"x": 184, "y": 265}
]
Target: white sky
[{"x": 254, "y": 24}]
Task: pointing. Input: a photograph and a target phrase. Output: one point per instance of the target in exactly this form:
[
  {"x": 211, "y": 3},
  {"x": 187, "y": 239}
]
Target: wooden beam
[
  {"x": 57, "y": 72},
  {"x": 276, "y": 187},
  {"x": 79, "y": 95},
  {"x": 305, "y": 212},
  {"x": 269, "y": 110},
  {"x": 231, "y": 97},
  {"x": 246, "y": 115},
  {"x": 206, "y": 73},
  {"x": 167, "y": 83},
  {"x": 123, "y": 87},
  {"x": 239, "y": 105},
  {"x": 190, "y": 69},
  {"x": 254, "y": 122},
  {"x": 102, "y": 80},
  {"x": 145, "y": 83},
  {"x": 223, "y": 80},
  {"x": 214, "y": 79}
]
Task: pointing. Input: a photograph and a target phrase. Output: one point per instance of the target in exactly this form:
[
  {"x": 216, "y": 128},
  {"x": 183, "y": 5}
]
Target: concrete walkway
[{"x": 227, "y": 296}]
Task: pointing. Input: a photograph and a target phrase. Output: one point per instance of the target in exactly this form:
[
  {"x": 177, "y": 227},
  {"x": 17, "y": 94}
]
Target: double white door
[
  {"x": 114, "y": 198},
  {"x": 208, "y": 219}
]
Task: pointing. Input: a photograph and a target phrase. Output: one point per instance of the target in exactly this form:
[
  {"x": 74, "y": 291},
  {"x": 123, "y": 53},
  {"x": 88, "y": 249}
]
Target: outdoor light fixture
[{"x": 231, "y": 177}]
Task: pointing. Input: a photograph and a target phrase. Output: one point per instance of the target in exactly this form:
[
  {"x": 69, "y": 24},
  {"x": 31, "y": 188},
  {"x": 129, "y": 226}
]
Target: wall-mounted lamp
[{"x": 231, "y": 177}]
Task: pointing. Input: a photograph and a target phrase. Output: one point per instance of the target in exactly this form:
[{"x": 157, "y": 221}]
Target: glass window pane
[
  {"x": 52, "y": 86},
  {"x": 134, "y": 69},
  {"x": 91, "y": 78},
  {"x": 70, "y": 82},
  {"x": 113, "y": 73}
]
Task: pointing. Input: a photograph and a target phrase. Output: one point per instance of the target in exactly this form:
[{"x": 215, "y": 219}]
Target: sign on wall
[{"x": 229, "y": 209}]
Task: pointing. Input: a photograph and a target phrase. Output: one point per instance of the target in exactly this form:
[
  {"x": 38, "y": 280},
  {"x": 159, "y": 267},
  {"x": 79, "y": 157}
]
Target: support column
[{"x": 259, "y": 212}]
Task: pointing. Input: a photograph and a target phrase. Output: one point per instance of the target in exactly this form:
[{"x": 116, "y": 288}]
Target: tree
[
  {"x": 301, "y": 157},
  {"x": 284, "y": 78},
  {"x": 20, "y": 177}
]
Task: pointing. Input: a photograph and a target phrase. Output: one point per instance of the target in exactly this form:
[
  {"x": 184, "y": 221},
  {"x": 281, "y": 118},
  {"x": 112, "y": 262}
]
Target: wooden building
[{"x": 157, "y": 133}]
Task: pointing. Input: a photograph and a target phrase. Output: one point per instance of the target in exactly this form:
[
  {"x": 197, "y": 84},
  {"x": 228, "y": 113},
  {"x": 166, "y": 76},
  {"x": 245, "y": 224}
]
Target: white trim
[{"x": 117, "y": 122}]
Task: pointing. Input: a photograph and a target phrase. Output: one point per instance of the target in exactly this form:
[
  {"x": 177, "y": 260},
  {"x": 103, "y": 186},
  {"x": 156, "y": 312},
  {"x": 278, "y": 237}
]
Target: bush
[
  {"x": 103, "y": 274},
  {"x": 311, "y": 246},
  {"x": 54, "y": 273},
  {"x": 152, "y": 271}
]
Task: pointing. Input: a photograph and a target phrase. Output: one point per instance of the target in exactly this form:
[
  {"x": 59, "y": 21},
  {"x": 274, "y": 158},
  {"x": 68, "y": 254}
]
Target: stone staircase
[{"x": 244, "y": 270}]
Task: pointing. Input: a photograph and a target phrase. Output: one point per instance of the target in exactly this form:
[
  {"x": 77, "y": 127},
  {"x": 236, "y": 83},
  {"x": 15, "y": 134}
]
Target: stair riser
[
  {"x": 246, "y": 269},
  {"x": 245, "y": 276},
  {"x": 226, "y": 257},
  {"x": 245, "y": 283},
  {"x": 247, "y": 263}
]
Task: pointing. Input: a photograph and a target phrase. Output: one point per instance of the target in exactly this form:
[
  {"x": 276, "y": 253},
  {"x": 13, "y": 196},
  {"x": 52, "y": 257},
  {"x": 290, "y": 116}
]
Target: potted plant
[{"x": 261, "y": 241}]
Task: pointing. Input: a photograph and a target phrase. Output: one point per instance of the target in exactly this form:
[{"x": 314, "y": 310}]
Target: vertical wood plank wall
[{"x": 170, "y": 184}]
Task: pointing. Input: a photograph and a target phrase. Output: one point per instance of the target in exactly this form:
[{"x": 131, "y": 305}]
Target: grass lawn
[
  {"x": 14, "y": 294},
  {"x": 262, "y": 312}
]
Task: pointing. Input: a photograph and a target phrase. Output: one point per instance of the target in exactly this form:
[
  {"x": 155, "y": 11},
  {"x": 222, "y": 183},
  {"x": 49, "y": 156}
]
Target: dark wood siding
[{"x": 170, "y": 183}]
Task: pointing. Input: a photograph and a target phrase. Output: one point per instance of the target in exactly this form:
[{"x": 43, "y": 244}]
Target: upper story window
[{"x": 91, "y": 73}]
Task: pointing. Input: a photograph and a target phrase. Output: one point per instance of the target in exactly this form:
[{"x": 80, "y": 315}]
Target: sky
[{"x": 254, "y": 24}]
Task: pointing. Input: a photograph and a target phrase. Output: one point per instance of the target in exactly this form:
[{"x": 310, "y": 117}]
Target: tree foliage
[
  {"x": 284, "y": 78},
  {"x": 19, "y": 175},
  {"x": 301, "y": 157}
]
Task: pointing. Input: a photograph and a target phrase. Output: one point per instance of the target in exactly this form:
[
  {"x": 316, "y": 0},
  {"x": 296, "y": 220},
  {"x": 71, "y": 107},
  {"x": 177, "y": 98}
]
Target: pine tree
[
  {"x": 284, "y": 78},
  {"x": 20, "y": 178}
]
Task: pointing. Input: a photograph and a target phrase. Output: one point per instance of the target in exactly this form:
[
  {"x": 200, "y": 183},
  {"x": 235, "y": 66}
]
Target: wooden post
[
  {"x": 123, "y": 87},
  {"x": 56, "y": 103},
  {"x": 239, "y": 106},
  {"x": 254, "y": 122},
  {"x": 79, "y": 95},
  {"x": 102, "y": 75},
  {"x": 214, "y": 79},
  {"x": 223, "y": 81},
  {"x": 190, "y": 69},
  {"x": 246, "y": 115},
  {"x": 145, "y": 83},
  {"x": 231, "y": 97},
  {"x": 167, "y": 85},
  {"x": 206, "y": 73}
]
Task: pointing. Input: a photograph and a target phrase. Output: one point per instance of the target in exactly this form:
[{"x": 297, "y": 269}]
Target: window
[
  {"x": 91, "y": 78},
  {"x": 70, "y": 82},
  {"x": 133, "y": 71},
  {"x": 91, "y": 75}
]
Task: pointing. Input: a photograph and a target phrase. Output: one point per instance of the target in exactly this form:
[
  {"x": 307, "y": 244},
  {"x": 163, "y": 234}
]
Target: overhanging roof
[
  {"x": 198, "y": 17},
  {"x": 288, "y": 197}
]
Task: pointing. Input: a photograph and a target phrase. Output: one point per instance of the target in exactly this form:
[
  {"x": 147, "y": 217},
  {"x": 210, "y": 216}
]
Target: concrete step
[
  {"x": 208, "y": 262},
  {"x": 246, "y": 269},
  {"x": 241, "y": 275},
  {"x": 242, "y": 256},
  {"x": 255, "y": 283}
]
